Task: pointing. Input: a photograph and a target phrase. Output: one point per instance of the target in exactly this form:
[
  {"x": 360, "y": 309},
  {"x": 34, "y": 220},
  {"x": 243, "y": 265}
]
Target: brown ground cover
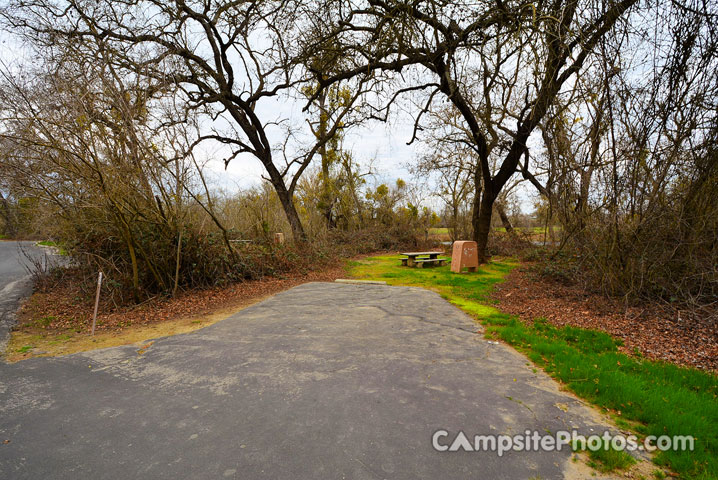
[
  {"x": 57, "y": 321},
  {"x": 62, "y": 307},
  {"x": 658, "y": 332}
]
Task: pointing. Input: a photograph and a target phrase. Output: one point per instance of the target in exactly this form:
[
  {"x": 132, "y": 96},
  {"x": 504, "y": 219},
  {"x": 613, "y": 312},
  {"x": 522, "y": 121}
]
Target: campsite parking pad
[{"x": 321, "y": 381}]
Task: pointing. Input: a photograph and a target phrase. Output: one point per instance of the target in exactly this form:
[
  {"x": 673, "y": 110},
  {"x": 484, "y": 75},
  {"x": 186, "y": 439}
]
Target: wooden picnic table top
[{"x": 416, "y": 254}]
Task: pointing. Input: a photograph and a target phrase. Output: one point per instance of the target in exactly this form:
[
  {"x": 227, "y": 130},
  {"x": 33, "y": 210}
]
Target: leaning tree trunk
[
  {"x": 286, "y": 198},
  {"x": 287, "y": 201},
  {"x": 504, "y": 218}
]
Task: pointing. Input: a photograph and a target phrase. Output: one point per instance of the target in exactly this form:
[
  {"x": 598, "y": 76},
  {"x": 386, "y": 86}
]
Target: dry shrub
[
  {"x": 667, "y": 253},
  {"x": 379, "y": 238},
  {"x": 204, "y": 262},
  {"x": 513, "y": 244}
]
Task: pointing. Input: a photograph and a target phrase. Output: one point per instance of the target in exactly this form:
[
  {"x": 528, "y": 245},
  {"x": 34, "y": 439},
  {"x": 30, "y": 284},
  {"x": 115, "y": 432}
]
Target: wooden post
[{"x": 97, "y": 302}]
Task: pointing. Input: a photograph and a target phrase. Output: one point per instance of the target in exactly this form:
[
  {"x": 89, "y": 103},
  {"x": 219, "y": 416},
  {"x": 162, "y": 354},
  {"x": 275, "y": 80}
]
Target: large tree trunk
[
  {"x": 482, "y": 227},
  {"x": 286, "y": 198},
  {"x": 475, "y": 211}
]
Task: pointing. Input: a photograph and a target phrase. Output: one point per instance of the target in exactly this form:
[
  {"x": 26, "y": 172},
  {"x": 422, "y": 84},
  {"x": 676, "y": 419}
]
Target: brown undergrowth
[{"x": 651, "y": 330}]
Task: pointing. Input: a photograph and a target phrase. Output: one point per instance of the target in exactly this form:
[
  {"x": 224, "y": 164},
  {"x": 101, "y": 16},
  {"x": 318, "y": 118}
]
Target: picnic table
[{"x": 423, "y": 259}]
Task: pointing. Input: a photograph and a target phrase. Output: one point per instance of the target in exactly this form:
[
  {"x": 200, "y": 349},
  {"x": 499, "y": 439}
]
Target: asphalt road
[
  {"x": 14, "y": 281},
  {"x": 13, "y": 262},
  {"x": 323, "y": 381}
]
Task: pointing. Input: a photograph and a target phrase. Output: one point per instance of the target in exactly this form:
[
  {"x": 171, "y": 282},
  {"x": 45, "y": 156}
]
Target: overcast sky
[{"x": 379, "y": 144}]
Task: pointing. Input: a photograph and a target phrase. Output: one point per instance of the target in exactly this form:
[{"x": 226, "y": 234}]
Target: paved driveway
[{"x": 322, "y": 381}]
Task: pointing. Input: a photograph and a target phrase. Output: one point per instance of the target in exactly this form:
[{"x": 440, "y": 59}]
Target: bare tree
[
  {"x": 98, "y": 150},
  {"x": 502, "y": 65},
  {"x": 455, "y": 165},
  {"x": 231, "y": 62},
  {"x": 630, "y": 147}
]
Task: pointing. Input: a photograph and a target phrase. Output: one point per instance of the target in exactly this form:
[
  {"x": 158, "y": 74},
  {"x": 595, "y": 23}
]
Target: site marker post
[{"x": 97, "y": 302}]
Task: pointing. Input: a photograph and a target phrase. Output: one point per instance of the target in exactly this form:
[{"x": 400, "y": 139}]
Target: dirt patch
[
  {"x": 577, "y": 468},
  {"x": 58, "y": 322},
  {"x": 655, "y": 332}
]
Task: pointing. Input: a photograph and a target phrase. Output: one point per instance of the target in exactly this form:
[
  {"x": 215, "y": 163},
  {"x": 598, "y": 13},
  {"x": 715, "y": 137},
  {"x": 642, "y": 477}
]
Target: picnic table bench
[{"x": 423, "y": 259}]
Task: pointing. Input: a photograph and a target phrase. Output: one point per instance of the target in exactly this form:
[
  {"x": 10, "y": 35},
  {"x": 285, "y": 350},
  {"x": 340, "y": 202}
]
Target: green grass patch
[
  {"x": 606, "y": 458},
  {"x": 438, "y": 231},
  {"x": 652, "y": 398}
]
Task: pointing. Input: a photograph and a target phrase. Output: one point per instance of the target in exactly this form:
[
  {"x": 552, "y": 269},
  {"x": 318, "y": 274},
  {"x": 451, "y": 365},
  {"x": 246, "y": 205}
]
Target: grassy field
[{"x": 646, "y": 397}]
